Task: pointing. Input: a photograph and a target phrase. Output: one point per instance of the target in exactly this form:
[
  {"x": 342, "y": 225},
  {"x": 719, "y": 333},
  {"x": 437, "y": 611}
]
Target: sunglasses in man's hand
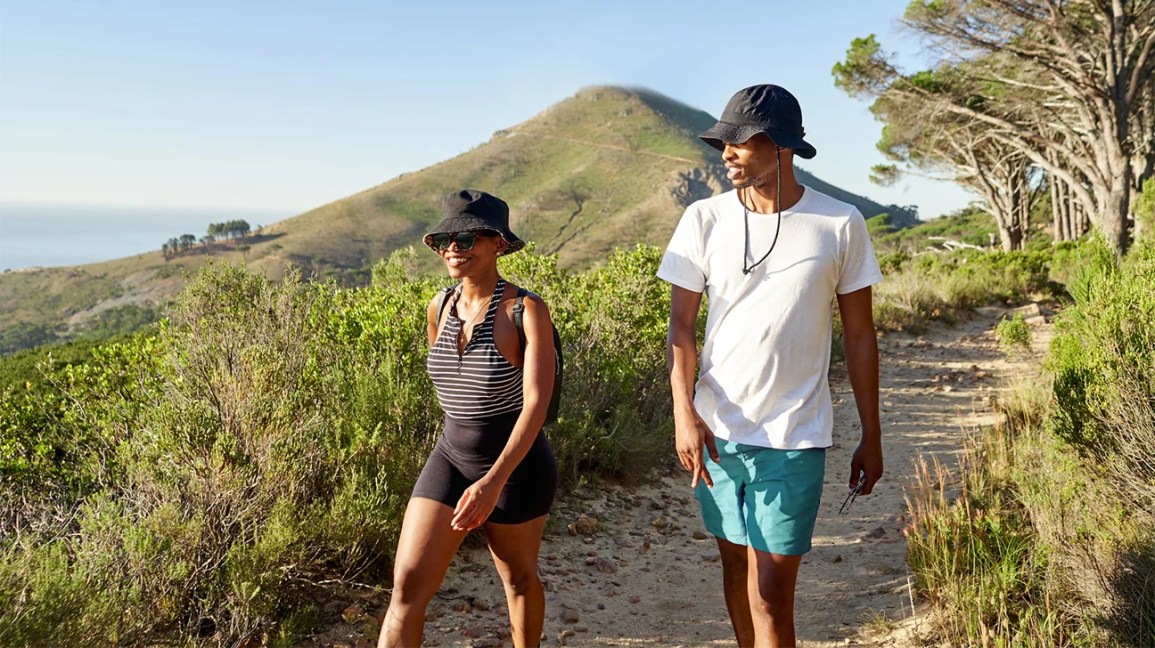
[{"x": 854, "y": 492}]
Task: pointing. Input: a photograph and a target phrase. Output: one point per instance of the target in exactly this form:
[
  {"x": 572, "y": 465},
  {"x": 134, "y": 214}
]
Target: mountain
[{"x": 605, "y": 168}]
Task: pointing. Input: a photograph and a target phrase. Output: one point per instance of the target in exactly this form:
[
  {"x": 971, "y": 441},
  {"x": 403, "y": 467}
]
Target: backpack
[{"x": 518, "y": 312}]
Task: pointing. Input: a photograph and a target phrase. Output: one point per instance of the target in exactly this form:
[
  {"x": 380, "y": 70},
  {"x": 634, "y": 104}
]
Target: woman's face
[{"x": 464, "y": 260}]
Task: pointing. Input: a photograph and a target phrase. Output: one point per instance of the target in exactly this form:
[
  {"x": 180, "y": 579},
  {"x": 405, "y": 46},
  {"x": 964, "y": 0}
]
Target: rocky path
[{"x": 630, "y": 564}]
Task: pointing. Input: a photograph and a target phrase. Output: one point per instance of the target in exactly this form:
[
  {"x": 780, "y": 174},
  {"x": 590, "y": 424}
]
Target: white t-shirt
[{"x": 766, "y": 352}]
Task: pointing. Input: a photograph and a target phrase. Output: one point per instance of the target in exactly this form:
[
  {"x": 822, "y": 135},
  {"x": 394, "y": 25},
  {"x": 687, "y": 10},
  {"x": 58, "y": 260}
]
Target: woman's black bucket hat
[
  {"x": 470, "y": 209},
  {"x": 766, "y": 108}
]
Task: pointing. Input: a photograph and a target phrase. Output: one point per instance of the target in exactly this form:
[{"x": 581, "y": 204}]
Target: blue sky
[{"x": 287, "y": 106}]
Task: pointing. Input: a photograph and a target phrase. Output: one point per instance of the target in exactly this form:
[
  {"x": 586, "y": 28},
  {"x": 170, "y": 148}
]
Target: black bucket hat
[
  {"x": 470, "y": 209},
  {"x": 766, "y": 109}
]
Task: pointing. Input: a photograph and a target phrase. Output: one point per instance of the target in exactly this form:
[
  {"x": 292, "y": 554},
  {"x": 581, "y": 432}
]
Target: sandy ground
[{"x": 631, "y": 565}]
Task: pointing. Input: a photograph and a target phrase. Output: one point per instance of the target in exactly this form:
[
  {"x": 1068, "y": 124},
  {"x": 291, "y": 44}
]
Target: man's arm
[
  {"x": 861, "y": 346},
  {"x": 690, "y": 432}
]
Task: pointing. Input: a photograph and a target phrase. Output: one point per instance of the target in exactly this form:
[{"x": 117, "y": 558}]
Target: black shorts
[{"x": 465, "y": 453}]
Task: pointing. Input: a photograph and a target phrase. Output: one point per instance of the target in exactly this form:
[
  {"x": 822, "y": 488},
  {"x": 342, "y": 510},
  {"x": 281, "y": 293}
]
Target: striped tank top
[{"x": 477, "y": 383}]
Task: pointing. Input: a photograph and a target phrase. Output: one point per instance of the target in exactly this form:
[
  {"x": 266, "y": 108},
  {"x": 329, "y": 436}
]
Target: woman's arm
[
  {"x": 431, "y": 316},
  {"x": 478, "y": 501}
]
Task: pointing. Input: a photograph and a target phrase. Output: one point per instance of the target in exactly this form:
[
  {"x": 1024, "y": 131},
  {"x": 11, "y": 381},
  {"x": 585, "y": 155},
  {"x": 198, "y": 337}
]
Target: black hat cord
[{"x": 747, "y": 269}]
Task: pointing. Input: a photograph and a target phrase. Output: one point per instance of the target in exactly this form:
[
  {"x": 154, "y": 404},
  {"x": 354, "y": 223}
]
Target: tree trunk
[
  {"x": 1116, "y": 214},
  {"x": 1059, "y": 229}
]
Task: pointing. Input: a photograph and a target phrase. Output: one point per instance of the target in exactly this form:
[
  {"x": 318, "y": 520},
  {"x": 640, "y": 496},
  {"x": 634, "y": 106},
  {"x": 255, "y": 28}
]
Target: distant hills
[{"x": 605, "y": 168}]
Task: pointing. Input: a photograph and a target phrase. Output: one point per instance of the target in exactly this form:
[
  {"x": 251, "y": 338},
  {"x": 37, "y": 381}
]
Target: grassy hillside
[{"x": 606, "y": 168}]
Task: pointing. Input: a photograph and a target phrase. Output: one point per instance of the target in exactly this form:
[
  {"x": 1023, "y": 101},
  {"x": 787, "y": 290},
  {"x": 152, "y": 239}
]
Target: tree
[
  {"x": 230, "y": 229},
  {"x": 943, "y": 145},
  {"x": 1068, "y": 85},
  {"x": 171, "y": 248}
]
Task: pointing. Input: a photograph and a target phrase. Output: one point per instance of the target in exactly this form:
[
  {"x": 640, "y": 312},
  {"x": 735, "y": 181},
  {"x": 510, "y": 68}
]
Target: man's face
[{"x": 752, "y": 163}]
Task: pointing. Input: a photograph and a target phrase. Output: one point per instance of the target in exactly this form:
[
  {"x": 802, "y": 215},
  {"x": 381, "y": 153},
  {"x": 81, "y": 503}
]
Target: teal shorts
[{"x": 763, "y": 497}]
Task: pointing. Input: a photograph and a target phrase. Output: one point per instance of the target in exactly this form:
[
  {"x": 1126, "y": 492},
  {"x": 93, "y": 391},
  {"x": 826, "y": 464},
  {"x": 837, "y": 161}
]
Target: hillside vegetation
[
  {"x": 201, "y": 482},
  {"x": 606, "y": 168}
]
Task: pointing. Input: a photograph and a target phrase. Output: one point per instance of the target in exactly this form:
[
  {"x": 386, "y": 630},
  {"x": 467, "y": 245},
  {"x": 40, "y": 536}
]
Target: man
[{"x": 772, "y": 256}]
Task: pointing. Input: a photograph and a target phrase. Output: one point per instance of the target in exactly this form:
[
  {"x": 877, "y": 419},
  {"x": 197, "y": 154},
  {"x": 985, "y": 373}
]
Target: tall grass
[{"x": 1048, "y": 536}]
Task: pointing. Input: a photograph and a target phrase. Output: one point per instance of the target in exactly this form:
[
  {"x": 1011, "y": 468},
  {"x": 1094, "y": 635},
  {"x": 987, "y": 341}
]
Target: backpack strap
[
  {"x": 444, "y": 297},
  {"x": 518, "y": 313}
]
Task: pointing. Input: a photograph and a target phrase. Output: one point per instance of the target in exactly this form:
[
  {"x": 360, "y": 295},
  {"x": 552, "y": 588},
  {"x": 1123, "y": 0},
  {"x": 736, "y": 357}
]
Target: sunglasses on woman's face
[{"x": 464, "y": 240}]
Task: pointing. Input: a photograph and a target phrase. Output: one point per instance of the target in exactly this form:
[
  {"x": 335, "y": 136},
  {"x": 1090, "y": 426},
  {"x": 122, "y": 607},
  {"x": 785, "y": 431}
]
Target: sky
[{"x": 286, "y": 106}]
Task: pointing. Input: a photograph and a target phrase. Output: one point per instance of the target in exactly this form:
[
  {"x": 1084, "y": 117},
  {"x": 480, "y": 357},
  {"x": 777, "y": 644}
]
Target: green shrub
[
  {"x": 1144, "y": 210},
  {"x": 196, "y": 480},
  {"x": 1013, "y": 333},
  {"x": 1050, "y": 542},
  {"x": 120, "y": 320},
  {"x": 616, "y": 364},
  {"x": 942, "y": 285},
  {"x": 23, "y": 335},
  {"x": 1104, "y": 341}
]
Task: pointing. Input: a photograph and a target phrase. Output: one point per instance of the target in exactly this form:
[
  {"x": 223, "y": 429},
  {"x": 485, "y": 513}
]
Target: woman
[{"x": 492, "y": 466}]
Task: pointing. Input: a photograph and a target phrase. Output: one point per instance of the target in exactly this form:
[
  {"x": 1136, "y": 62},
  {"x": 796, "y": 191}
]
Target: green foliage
[
  {"x": 195, "y": 480},
  {"x": 1013, "y": 333},
  {"x": 119, "y": 320},
  {"x": 971, "y": 226},
  {"x": 1050, "y": 542},
  {"x": 265, "y": 436},
  {"x": 983, "y": 564},
  {"x": 864, "y": 70},
  {"x": 926, "y": 80},
  {"x": 885, "y": 175},
  {"x": 25, "y": 335},
  {"x": 230, "y": 229},
  {"x": 940, "y": 286},
  {"x": 1105, "y": 343},
  {"x": 615, "y": 363},
  {"x": 978, "y": 560},
  {"x": 1144, "y": 210},
  {"x": 879, "y": 225},
  {"x": 24, "y": 368}
]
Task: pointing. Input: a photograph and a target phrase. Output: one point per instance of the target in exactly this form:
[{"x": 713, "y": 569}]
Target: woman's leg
[
  {"x": 514, "y": 548},
  {"x": 424, "y": 551}
]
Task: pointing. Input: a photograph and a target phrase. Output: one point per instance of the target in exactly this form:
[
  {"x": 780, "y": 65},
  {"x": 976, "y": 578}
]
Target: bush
[
  {"x": 1051, "y": 540},
  {"x": 941, "y": 286},
  {"x": 1103, "y": 356},
  {"x": 617, "y": 364},
  {"x": 195, "y": 481},
  {"x": 1014, "y": 333}
]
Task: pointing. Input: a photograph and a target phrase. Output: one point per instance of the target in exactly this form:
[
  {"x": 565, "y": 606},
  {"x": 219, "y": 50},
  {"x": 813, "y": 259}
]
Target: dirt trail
[{"x": 635, "y": 567}]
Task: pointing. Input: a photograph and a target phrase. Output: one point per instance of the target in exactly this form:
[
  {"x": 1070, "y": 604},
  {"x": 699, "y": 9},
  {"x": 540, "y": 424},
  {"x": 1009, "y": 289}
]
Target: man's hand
[
  {"x": 691, "y": 434},
  {"x": 867, "y": 460}
]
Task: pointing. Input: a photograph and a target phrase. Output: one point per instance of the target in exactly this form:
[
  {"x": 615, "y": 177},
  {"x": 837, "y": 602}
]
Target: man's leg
[
  {"x": 781, "y": 503},
  {"x": 724, "y": 517},
  {"x": 771, "y": 583},
  {"x": 735, "y": 566}
]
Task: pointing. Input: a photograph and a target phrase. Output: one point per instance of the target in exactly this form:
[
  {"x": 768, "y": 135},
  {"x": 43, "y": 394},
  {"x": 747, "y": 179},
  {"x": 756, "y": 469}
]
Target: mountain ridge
[{"x": 604, "y": 168}]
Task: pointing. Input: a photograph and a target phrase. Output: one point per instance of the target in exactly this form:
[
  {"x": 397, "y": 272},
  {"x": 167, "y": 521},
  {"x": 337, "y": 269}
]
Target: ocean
[{"x": 54, "y": 235}]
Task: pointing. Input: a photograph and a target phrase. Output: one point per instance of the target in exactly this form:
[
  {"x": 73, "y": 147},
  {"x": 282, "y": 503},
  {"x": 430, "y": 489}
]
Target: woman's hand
[{"x": 475, "y": 505}]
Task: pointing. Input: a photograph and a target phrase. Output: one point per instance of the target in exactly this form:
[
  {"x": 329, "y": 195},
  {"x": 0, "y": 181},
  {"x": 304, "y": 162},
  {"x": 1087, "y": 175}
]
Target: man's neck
[{"x": 763, "y": 199}]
